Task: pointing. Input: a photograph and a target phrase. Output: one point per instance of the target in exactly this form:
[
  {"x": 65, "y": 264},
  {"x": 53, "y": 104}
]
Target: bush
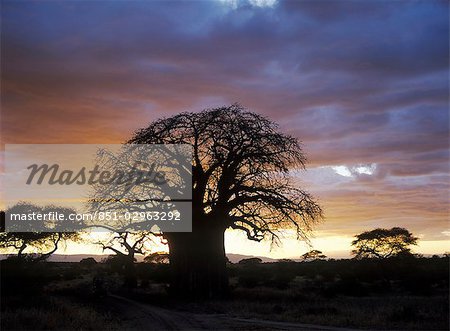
[{"x": 19, "y": 276}]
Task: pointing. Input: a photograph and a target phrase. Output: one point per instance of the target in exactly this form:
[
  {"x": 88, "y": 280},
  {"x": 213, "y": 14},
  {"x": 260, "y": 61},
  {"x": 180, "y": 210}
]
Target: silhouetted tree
[
  {"x": 130, "y": 244},
  {"x": 383, "y": 243},
  {"x": 52, "y": 232},
  {"x": 286, "y": 261},
  {"x": 157, "y": 257},
  {"x": 88, "y": 262},
  {"x": 313, "y": 255},
  {"x": 241, "y": 179},
  {"x": 251, "y": 260}
]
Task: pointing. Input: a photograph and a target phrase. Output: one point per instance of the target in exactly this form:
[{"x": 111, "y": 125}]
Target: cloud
[{"x": 359, "y": 83}]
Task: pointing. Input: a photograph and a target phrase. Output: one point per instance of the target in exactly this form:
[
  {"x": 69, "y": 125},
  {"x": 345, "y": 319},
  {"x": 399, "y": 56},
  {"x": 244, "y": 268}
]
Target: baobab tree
[{"x": 241, "y": 179}]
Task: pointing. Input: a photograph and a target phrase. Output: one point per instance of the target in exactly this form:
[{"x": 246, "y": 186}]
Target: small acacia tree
[
  {"x": 383, "y": 243},
  {"x": 44, "y": 243},
  {"x": 313, "y": 255},
  {"x": 157, "y": 258},
  {"x": 251, "y": 261}
]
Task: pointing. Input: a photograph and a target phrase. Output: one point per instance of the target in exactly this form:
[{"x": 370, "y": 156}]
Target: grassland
[{"x": 390, "y": 294}]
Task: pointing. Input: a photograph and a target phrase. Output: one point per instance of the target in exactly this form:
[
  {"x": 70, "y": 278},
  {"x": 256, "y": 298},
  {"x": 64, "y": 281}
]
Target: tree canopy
[
  {"x": 41, "y": 243},
  {"x": 242, "y": 167},
  {"x": 383, "y": 243},
  {"x": 313, "y": 255}
]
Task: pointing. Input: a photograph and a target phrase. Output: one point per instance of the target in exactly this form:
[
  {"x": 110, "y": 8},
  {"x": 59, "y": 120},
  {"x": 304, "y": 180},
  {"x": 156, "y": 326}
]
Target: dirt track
[{"x": 139, "y": 316}]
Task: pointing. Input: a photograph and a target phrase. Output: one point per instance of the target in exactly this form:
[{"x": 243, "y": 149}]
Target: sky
[{"x": 363, "y": 84}]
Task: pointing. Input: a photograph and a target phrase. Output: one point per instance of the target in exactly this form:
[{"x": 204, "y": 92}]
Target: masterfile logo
[{"x": 112, "y": 187}]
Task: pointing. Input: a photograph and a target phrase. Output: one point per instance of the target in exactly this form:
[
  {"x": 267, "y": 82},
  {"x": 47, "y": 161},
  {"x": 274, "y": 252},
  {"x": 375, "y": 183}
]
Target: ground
[{"x": 320, "y": 295}]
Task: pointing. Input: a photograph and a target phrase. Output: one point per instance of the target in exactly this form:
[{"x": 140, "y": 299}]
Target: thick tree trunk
[
  {"x": 21, "y": 249},
  {"x": 130, "y": 272},
  {"x": 198, "y": 262}
]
